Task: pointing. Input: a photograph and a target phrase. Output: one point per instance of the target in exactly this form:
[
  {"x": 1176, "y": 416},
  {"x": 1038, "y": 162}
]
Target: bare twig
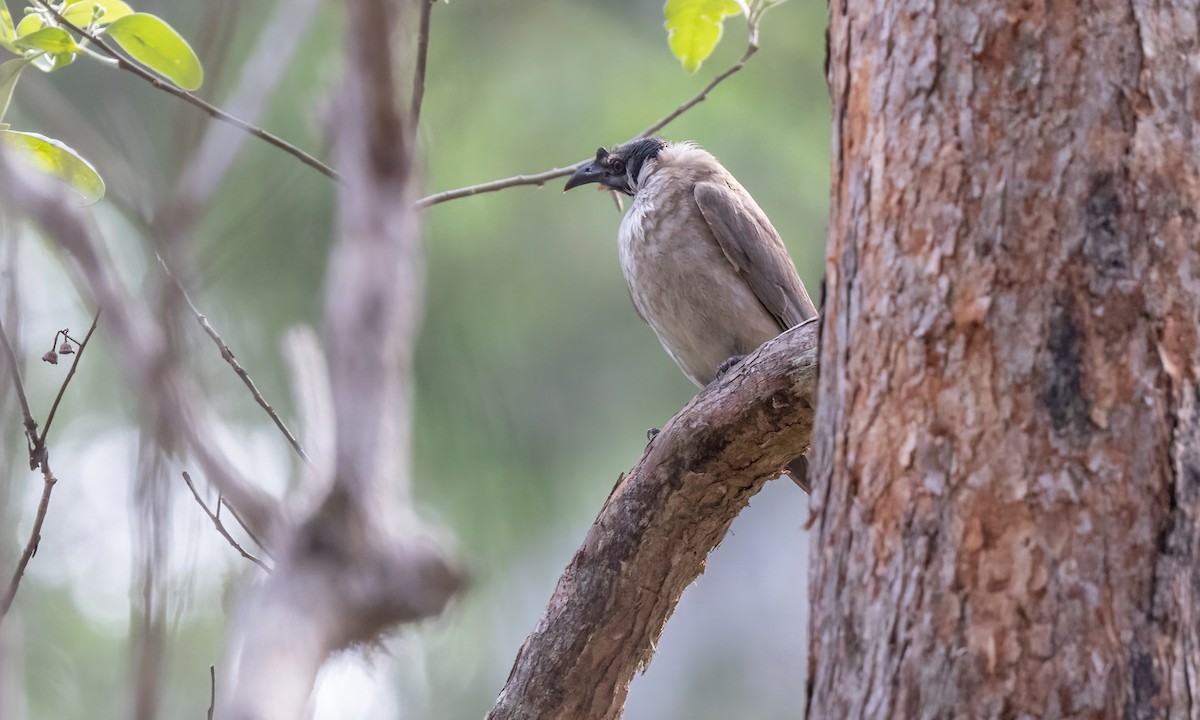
[
  {"x": 220, "y": 526},
  {"x": 699, "y": 97},
  {"x": 38, "y": 455},
  {"x": 172, "y": 89},
  {"x": 652, "y": 537},
  {"x": 212, "y": 690},
  {"x": 35, "y": 537},
  {"x": 242, "y": 523},
  {"x": 167, "y": 394},
  {"x": 222, "y": 145},
  {"x": 538, "y": 179},
  {"x": 418, "y": 87},
  {"x": 542, "y": 178},
  {"x": 41, "y": 440},
  {"x": 229, "y": 357},
  {"x": 30, "y": 424}
]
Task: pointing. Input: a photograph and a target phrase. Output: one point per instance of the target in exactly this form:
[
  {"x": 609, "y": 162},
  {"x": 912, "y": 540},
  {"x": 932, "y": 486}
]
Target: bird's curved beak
[{"x": 589, "y": 173}]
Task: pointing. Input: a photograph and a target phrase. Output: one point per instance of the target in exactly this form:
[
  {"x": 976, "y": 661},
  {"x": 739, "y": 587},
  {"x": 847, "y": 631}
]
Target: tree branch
[
  {"x": 653, "y": 534},
  {"x": 37, "y": 456},
  {"x": 35, "y": 538},
  {"x": 359, "y": 562},
  {"x": 14, "y": 367},
  {"x": 40, "y": 445},
  {"x": 220, "y": 526},
  {"x": 170, "y": 88},
  {"x": 229, "y": 357},
  {"x": 164, "y": 390},
  {"x": 418, "y": 87},
  {"x": 542, "y": 178}
]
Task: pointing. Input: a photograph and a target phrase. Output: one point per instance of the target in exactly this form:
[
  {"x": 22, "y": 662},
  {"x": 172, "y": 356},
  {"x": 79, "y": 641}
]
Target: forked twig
[
  {"x": 38, "y": 456},
  {"x": 220, "y": 526},
  {"x": 41, "y": 440}
]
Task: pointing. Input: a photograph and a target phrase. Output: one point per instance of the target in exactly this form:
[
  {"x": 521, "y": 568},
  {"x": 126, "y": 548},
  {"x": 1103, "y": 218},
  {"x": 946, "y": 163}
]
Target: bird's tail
[{"x": 797, "y": 470}]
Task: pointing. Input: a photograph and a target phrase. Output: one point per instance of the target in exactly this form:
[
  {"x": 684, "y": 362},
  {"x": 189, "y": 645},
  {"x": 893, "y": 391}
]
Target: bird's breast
[{"x": 682, "y": 284}]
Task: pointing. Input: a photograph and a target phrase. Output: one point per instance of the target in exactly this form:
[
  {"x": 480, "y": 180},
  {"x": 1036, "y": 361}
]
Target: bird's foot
[
  {"x": 651, "y": 434},
  {"x": 728, "y": 364}
]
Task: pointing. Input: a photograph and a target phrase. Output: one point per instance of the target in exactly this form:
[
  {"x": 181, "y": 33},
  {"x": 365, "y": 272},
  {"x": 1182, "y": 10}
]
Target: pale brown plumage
[{"x": 705, "y": 268}]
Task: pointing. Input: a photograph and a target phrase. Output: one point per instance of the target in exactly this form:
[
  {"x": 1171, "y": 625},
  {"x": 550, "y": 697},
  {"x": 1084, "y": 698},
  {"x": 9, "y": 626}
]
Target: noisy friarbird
[{"x": 706, "y": 269}]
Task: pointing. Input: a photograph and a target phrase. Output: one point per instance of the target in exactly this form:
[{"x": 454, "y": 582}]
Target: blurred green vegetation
[{"x": 535, "y": 379}]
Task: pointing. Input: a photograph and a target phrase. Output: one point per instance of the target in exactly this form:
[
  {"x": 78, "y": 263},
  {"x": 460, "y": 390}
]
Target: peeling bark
[
  {"x": 1006, "y": 469},
  {"x": 653, "y": 535}
]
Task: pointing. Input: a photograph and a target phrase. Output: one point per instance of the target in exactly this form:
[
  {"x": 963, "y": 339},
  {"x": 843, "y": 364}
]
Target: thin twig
[
  {"x": 41, "y": 440},
  {"x": 167, "y": 395},
  {"x": 172, "y": 89},
  {"x": 30, "y": 423},
  {"x": 220, "y": 526},
  {"x": 212, "y": 690},
  {"x": 418, "y": 88},
  {"x": 538, "y": 179},
  {"x": 699, "y": 97},
  {"x": 227, "y": 354},
  {"x": 35, "y": 537},
  {"x": 542, "y": 178},
  {"x": 37, "y": 456},
  {"x": 221, "y": 502}
]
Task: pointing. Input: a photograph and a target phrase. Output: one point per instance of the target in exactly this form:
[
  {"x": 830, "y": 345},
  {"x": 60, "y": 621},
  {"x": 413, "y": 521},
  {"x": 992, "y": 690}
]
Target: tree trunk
[{"x": 1007, "y": 449}]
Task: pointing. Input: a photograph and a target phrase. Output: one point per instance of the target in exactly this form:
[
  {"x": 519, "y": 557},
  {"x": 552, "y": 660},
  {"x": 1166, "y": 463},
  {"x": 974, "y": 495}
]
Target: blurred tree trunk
[{"x": 1007, "y": 447}]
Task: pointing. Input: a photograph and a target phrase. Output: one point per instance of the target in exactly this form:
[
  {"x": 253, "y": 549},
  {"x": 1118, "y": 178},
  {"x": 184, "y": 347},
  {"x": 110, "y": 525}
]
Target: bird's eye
[{"x": 617, "y": 165}]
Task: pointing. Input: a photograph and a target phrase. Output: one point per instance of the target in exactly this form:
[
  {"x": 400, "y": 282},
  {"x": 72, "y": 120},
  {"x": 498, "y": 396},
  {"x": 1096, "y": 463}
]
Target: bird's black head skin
[{"x": 618, "y": 170}]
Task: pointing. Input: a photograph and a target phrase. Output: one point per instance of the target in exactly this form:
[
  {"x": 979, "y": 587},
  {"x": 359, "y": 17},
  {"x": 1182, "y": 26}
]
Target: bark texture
[
  {"x": 653, "y": 535},
  {"x": 1007, "y": 459}
]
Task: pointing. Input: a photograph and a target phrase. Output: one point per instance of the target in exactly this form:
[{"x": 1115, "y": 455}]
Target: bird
[{"x": 705, "y": 268}]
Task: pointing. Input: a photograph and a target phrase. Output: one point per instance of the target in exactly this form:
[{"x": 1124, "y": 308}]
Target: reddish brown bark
[{"x": 1007, "y": 448}]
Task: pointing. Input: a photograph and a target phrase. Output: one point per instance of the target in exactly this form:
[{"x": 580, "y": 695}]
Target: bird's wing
[{"x": 750, "y": 242}]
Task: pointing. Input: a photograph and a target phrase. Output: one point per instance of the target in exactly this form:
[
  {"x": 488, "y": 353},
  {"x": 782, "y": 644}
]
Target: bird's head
[{"x": 619, "y": 169}]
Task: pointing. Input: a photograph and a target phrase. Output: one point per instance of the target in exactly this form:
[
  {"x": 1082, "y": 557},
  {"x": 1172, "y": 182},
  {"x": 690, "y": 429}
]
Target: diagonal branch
[
  {"x": 170, "y": 88},
  {"x": 657, "y": 528},
  {"x": 220, "y": 526},
  {"x": 230, "y": 358},
  {"x": 35, "y": 538},
  {"x": 542, "y": 178}
]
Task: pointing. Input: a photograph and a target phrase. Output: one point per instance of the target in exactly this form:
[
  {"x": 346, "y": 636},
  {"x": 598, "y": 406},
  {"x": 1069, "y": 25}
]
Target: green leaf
[
  {"x": 10, "y": 72},
  {"x": 8, "y": 32},
  {"x": 50, "y": 48},
  {"x": 55, "y": 41},
  {"x": 53, "y": 157},
  {"x": 155, "y": 44},
  {"x": 694, "y": 27},
  {"x": 81, "y": 12},
  {"x": 30, "y": 24}
]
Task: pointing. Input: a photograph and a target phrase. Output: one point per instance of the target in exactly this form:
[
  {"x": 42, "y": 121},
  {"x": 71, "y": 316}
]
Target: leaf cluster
[{"x": 50, "y": 36}]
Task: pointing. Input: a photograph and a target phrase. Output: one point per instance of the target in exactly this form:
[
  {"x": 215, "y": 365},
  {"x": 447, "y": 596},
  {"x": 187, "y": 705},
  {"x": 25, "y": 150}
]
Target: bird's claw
[
  {"x": 728, "y": 364},
  {"x": 651, "y": 434}
]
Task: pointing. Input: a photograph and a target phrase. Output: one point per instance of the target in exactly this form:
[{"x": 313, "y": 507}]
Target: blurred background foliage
[{"x": 535, "y": 379}]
